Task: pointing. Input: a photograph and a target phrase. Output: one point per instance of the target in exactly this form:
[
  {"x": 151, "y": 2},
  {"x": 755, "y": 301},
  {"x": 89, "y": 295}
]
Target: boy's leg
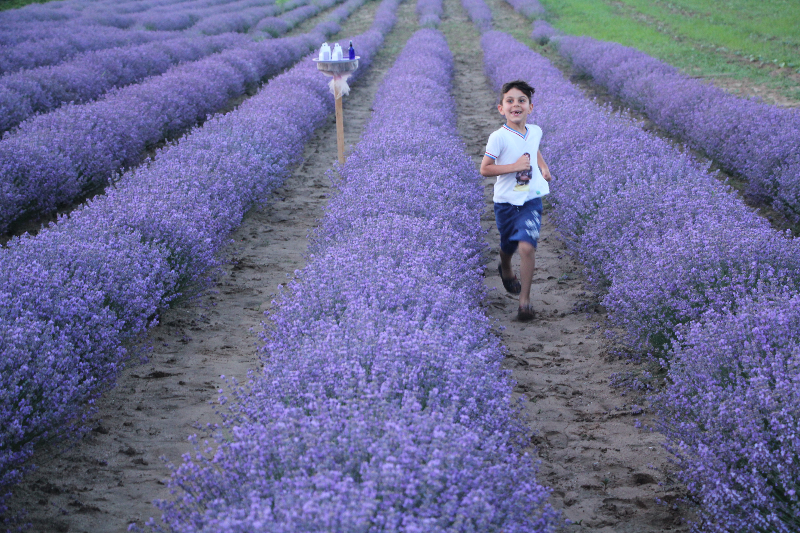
[
  {"x": 527, "y": 255},
  {"x": 505, "y": 264},
  {"x": 505, "y": 215},
  {"x": 528, "y": 225}
]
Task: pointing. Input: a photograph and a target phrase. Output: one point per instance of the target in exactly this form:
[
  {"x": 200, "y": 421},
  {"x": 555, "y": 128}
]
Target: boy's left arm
[{"x": 543, "y": 166}]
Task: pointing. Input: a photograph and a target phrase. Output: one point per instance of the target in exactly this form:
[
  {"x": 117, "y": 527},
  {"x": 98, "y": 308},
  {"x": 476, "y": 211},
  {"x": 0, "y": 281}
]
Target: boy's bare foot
[
  {"x": 526, "y": 313},
  {"x": 512, "y": 285}
]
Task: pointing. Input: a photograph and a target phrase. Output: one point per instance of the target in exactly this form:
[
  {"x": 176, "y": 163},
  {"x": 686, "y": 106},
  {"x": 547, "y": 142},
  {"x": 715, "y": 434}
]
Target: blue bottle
[{"x": 351, "y": 54}]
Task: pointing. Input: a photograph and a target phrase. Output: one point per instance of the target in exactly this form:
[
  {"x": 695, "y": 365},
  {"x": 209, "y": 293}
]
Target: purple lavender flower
[
  {"x": 543, "y": 32},
  {"x": 732, "y": 414},
  {"x": 429, "y": 13},
  {"x": 89, "y": 75},
  {"x": 532, "y": 9},
  {"x": 61, "y": 43},
  {"x": 479, "y": 13}
]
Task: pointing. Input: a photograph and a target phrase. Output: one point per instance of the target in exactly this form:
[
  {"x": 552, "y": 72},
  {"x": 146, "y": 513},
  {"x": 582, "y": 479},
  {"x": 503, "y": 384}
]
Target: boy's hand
[
  {"x": 523, "y": 163},
  {"x": 546, "y": 174}
]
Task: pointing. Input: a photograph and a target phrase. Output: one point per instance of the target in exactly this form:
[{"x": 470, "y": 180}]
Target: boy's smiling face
[{"x": 516, "y": 107}]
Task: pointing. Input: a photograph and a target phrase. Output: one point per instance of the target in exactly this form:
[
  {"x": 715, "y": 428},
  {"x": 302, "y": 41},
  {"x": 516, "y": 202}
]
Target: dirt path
[
  {"x": 606, "y": 473},
  {"x": 109, "y": 479}
]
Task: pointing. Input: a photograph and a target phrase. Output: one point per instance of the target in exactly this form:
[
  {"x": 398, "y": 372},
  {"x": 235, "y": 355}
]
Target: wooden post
[
  {"x": 340, "y": 127},
  {"x": 338, "y": 69}
]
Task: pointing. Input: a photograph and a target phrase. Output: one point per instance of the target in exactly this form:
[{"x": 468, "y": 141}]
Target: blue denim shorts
[{"x": 518, "y": 223}]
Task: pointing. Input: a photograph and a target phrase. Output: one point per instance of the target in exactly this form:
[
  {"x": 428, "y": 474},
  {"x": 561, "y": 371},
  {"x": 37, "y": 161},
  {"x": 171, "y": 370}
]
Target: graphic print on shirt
[{"x": 524, "y": 178}]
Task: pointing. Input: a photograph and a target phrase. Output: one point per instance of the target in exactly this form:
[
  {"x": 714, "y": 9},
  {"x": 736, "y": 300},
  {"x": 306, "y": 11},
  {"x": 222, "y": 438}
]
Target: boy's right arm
[{"x": 489, "y": 168}]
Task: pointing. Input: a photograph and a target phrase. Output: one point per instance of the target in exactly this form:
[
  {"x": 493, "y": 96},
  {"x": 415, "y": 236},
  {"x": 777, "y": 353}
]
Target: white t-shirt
[{"x": 505, "y": 146}]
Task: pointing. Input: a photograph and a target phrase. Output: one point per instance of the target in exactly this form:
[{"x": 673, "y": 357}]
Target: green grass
[
  {"x": 766, "y": 29},
  {"x": 730, "y": 39}
]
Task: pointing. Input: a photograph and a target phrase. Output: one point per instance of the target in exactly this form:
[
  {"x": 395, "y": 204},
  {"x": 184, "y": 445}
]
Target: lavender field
[{"x": 207, "y": 324}]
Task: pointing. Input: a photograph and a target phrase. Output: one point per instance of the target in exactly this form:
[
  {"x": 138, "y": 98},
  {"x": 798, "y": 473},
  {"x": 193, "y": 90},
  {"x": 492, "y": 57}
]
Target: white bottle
[
  {"x": 325, "y": 52},
  {"x": 337, "y": 53}
]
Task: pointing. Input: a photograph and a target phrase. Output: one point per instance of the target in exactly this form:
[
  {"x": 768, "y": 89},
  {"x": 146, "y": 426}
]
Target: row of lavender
[
  {"x": 52, "y": 159},
  {"x": 532, "y": 9},
  {"x": 236, "y": 18},
  {"x": 74, "y": 298},
  {"x": 429, "y": 13},
  {"x": 384, "y": 409},
  {"x": 479, "y": 13},
  {"x": 747, "y": 137},
  {"x": 59, "y": 44},
  {"x": 691, "y": 276},
  {"x": 68, "y": 10},
  {"x": 91, "y": 74},
  {"x": 33, "y": 45},
  {"x": 166, "y": 16},
  {"x": 276, "y": 26}
]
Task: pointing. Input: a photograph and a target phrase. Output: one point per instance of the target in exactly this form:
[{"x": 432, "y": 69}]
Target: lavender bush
[
  {"x": 185, "y": 15},
  {"x": 92, "y": 74},
  {"x": 237, "y": 21},
  {"x": 38, "y": 13},
  {"x": 71, "y": 301},
  {"x": 542, "y": 32},
  {"x": 387, "y": 409},
  {"x": 747, "y": 137},
  {"x": 276, "y": 26},
  {"x": 299, "y": 14},
  {"x": 166, "y": 21},
  {"x": 31, "y": 43},
  {"x": 43, "y": 166},
  {"x": 75, "y": 296},
  {"x": 479, "y": 13},
  {"x": 239, "y": 16},
  {"x": 732, "y": 415},
  {"x": 330, "y": 25},
  {"x": 532, "y": 9},
  {"x": 691, "y": 274},
  {"x": 62, "y": 44},
  {"x": 429, "y": 13},
  {"x": 106, "y": 18},
  {"x": 13, "y": 34}
]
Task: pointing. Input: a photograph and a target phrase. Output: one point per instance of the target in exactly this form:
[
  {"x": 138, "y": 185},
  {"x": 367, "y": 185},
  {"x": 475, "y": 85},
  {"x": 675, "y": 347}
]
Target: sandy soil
[{"x": 605, "y": 473}]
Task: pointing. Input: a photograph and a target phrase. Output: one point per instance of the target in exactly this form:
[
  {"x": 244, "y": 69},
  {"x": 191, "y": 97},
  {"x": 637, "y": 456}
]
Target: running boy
[{"x": 519, "y": 189}]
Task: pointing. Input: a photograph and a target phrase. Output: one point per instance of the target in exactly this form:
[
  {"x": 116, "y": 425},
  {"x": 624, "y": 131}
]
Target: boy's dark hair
[{"x": 517, "y": 84}]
